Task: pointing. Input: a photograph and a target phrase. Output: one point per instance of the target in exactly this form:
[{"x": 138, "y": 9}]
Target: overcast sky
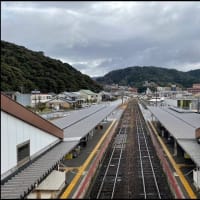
[{"x": 97, "y": 37}]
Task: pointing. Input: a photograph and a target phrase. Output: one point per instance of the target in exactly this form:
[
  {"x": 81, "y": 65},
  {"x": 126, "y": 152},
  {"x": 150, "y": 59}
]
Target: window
[{"x": 23, "y": 152}]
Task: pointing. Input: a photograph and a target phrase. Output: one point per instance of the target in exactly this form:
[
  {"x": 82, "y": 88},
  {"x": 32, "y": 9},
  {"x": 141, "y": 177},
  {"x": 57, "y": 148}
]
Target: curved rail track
[{"x": 131, "y": 168}]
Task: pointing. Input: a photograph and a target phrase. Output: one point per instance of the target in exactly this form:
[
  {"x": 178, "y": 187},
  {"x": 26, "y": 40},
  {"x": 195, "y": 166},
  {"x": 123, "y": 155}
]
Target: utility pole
[
  {"x": 21, "y": 87},
  {"x": 198, "y": 105},
  {"x": 156, "y": 96},
  {"x": 122, "y": 97},
  {"x": 36, "y": 92},
  {"x": 35, "y": 100}
]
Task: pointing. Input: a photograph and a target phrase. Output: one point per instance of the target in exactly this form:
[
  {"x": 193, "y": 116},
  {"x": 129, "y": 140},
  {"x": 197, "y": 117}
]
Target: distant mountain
[
  {"x": 95, "y": 78},
  {"x": 136, "y": 76},
  {"x": 21, "y": 67}
]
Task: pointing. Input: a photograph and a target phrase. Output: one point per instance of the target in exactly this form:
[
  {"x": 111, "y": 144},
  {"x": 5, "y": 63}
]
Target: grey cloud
[{"x": 97, "y": 37}]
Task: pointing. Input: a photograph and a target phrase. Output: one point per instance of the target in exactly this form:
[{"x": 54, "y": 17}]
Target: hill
[
  {"x": 136, "y": 76},
  {"x": 21, "y": 67}
]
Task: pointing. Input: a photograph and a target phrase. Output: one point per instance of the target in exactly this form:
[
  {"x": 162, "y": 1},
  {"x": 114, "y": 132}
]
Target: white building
[
  {"x": 88, "y": 95},
  {"x": 39, "y": 98},
  {"x": 33, "y": 98},
  {"x": 24, "y": 135},
  {"x": 184, "y": 103}
]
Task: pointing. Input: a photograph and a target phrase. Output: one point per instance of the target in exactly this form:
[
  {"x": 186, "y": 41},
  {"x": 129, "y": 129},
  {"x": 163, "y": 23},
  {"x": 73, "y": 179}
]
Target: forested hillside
[
  {"x": 136, "y": 76},
  {"x": 23, "y": 68}
]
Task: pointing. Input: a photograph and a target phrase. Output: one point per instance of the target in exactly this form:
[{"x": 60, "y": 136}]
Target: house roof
[
  {"x": 88, "y": 92},
  {"x": 17, "y": 110},
  {"x": 62, "y": 99},
  {"x": 70, "y": 94}
]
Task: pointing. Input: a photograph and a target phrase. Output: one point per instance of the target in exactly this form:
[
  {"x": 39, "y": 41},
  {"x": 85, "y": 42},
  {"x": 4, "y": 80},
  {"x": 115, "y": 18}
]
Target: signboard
[{"x": 35, "y": 92}]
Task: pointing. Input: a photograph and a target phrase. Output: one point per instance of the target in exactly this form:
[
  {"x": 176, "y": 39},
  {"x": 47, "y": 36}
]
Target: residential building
[
  {"x": 106, "y": 96},
  {"x": 195, "y": 88},
  {"x": 29, "y": 99},
  {"x": 58, "y": 103},
  {"x": 88, "y": 95},
  {"x": 132, "y": 90},
  {"x": 39, "y": 98}
]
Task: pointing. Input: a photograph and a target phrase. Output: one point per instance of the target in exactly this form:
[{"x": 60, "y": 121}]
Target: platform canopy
[
  {"x": 83, "y": 127},
  {"x": 182, "y": 127},
  {"x": 192, "y": 148},
  {"x": 176, "y": 125}
]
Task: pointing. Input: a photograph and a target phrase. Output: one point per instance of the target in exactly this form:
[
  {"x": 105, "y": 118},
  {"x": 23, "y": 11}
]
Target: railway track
[
  {"x": 147, "y": 171},
  {"x": 111, "y": 175},
  {"x": 130, "y": 168}
]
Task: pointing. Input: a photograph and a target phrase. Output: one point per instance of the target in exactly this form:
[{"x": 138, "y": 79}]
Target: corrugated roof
[
  {"x": 76, "y": 116},
  {"x": 81, "y": 128},
  {"x": 24, "y": 180},
  {"x": 182, "y": 127},
  {"x": 192, "y": 148},
  {"x": 193, "y": 119},
  {"x": 175, "y": 125}
]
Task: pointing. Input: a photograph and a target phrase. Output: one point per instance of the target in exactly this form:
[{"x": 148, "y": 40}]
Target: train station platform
[
  {"x": 181, "y": 163},
  {"x": 81, "y": 169}
]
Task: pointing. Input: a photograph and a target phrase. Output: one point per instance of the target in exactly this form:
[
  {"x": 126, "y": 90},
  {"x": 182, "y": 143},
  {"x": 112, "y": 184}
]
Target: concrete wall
[{"x": 14, "y": 132}]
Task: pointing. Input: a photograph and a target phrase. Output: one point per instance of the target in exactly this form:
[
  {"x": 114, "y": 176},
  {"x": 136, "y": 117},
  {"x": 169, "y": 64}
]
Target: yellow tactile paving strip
[
  {"x": 73, "y": 183},
  {"x": 176, "y": 166}
]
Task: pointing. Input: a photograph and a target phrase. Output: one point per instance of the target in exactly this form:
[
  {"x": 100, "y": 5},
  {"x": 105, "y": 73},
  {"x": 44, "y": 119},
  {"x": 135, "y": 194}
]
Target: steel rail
[
  {"x": 141, "y": 162},
  {"x": 149, "y": 157},
  {"x": 118, "y": 164},
  {"x": 121, "y": 132},
  {"x": 103, "y": 181}
]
